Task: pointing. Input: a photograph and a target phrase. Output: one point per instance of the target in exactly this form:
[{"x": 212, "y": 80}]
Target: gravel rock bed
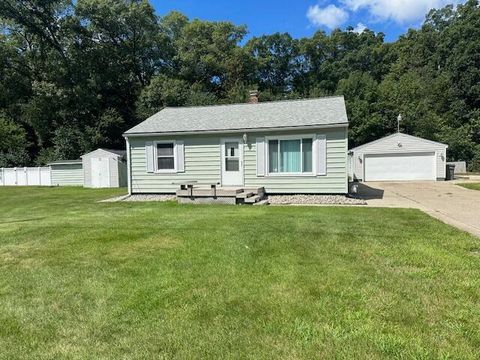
[
  {"x": 132, "y": 198},
  {"x": 150, "y": 198},
  {"x": 272, "y": 199},
  {"x": 314, "y": 200}
]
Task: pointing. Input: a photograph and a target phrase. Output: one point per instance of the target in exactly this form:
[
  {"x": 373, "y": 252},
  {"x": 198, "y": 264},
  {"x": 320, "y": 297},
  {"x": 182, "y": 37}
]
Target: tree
[
  {"x": 277, "y": 61},
  {"x": 74, "y": 75},
  {"x": 13, "y": 143},
  {"x": 204, "y": 49},
  {"x": 364, "y": 109},
  {"x": 162, "y": 92}
]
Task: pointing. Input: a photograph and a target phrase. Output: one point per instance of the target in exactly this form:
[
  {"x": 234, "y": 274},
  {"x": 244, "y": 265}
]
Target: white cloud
[
  {"x": 401, "y": 11},
  {"x": 330, "y": 16},
  {"x": 360, "y": 28}
]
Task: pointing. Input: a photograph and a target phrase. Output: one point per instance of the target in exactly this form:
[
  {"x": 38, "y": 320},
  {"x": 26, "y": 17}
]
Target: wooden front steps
[{"x": 212, "y": 194}]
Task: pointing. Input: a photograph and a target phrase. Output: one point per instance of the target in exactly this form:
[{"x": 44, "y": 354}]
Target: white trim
[
  {"x": 109, "y": 174},
  {"x": 289, "y": 137},
  {"x": 180, "y": 156},
  {"x": 321, "y": 145},
  {"x": 241, "y": 159},
  {"x": 129, "y": 171},
  {"x": 363, "y": 167},
  {"x": 229, "y": 131},
  {"x": 260, "y": 156},
  {"x": 155, "y": 157}
]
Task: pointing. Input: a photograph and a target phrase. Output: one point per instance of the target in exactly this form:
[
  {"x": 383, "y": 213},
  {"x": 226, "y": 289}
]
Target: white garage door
[{"x": 401, "y": 167}]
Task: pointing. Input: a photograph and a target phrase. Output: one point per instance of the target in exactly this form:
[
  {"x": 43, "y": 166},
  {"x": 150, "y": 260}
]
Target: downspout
[{"x": 129, "y": 173}]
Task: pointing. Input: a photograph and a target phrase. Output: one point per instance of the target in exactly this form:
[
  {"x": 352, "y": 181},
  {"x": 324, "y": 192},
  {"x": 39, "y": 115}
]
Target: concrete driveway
[{"x": 445, "y": 201}]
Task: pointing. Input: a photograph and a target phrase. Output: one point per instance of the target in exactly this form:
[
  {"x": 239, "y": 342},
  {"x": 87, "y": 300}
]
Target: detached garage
[
  {"x": 104, "y": 168},
  {"x": 399, "y": 157}
]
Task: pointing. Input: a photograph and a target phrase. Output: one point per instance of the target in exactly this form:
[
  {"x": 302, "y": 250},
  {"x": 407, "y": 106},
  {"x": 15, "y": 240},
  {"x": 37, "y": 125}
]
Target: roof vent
[{"x": 253, "y": 97}]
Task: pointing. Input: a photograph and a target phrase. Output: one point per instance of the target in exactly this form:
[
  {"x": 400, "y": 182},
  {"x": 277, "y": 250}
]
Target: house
[
  {"x": 295, "y": 146},
  {"x": 398, "y": 157},
  {"x": 104, "y": 168},
  {"x": 66, "y": 173}
]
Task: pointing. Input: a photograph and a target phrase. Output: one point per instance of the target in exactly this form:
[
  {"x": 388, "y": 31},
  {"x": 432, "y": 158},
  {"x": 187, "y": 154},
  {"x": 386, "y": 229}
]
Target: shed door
[
  {"x": 400, "y": 167},
  {"x": 100, "y": 172}
]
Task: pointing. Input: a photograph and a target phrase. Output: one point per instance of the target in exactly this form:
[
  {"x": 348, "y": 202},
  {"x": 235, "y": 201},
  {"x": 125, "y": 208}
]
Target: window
[
  {"x": 290, "y": 156},
  {"x": 165, "y": 156}
]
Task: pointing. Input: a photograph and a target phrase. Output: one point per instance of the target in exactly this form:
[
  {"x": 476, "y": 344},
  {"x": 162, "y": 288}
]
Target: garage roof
[{"x": 398, "y": 135}]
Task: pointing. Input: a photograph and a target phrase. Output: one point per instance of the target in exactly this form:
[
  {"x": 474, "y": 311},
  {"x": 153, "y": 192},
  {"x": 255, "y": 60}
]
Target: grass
[
  {"x": 81, "y": 279},
  {"x": 471, "y": 186}
]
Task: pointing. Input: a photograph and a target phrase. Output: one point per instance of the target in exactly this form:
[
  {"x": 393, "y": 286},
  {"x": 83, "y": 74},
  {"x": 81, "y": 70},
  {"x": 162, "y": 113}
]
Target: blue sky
[{"x": 304, "y": 17}]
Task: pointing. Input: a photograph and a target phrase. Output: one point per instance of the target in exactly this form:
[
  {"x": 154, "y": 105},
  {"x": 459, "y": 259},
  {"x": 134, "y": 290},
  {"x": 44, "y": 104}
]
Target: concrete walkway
[{"x": 445, "y": 201}]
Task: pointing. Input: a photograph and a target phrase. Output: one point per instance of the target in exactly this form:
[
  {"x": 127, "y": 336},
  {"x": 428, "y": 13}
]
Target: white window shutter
[
  {"x": 150, "y": 157},
  {"x": 180, "y": 156},
  {"x": 321, "y": 152},
  {"x": 261, "y": 156}
]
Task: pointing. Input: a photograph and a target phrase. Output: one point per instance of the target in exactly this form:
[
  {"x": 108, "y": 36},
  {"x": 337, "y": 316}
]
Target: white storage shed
[
  {"x": 105, "y": 168},
  {"x": 398, "y": 157}
]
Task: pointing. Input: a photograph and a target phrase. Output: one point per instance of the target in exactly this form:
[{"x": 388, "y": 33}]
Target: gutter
[{"x": 226, "y": 131}]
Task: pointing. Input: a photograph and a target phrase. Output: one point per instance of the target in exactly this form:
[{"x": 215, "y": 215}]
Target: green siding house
[{"x": 287, "y": 147}]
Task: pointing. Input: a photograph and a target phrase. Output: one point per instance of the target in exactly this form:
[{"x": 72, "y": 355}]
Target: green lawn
[
  {"x": 81, "y": 279},
  {"x": 471, "y": 186}
]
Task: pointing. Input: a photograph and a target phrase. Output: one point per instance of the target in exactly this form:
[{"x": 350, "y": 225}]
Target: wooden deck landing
[{"x": 198, "y": 194}]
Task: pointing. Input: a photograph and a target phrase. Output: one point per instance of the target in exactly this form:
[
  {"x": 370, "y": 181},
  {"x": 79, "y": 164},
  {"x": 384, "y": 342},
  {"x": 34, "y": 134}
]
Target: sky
[{"x": 302, "y": 18}]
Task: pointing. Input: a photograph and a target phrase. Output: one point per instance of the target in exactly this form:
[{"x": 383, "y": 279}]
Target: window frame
[
  {"x": 290, "y": 137},
  {"x": 155, "y": 153}
]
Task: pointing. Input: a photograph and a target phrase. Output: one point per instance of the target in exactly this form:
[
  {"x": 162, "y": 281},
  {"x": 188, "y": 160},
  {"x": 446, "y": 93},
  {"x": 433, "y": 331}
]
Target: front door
[{"x": 232, "y": 162}]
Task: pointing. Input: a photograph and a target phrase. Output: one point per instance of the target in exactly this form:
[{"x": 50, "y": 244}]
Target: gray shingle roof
[
  {"x": 118, "y": 152},
  {"x": 279, "y": 114}
]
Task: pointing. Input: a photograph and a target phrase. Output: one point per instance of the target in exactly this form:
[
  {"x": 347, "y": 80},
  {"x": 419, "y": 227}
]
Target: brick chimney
[{"x": 253, "y": 97}]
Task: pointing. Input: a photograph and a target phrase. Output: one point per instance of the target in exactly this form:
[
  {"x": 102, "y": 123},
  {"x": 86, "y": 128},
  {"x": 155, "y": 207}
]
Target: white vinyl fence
[
  {"x": 460, "y": 166},
  {"x": 27, "y": 176}
]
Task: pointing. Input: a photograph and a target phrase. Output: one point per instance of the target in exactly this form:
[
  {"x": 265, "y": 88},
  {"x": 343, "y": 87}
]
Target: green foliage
[
  {"x": 13, "y": 143},
  {"x": 362, "y": 97},
  {"x": 45, "y": 156},
  {"x": 83, "y": 72},
  {"x": 68, "y": 143},
  {"x": 198, "y": 97},
  {"x": 107, "y": 132},
  {"x": 162, "y": 92},
  {"x": 474, "y": 164},
  {"x": 277, "y": 61}
]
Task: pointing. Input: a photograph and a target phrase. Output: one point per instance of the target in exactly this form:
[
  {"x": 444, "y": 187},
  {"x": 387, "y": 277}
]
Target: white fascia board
[{"x": 229, "y": 131}]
